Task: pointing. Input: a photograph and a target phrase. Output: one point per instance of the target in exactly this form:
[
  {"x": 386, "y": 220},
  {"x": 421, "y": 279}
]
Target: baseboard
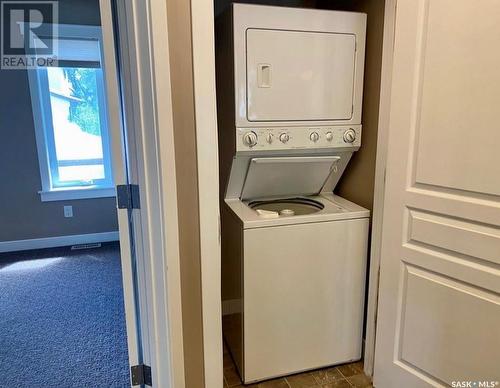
[
  {"x": 231, "y": 306},
  {"x": 60, "y": 241}
]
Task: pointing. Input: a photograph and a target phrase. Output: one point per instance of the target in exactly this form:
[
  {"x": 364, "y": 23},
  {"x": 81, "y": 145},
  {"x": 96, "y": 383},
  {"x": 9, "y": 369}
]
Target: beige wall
[
  {"x": 181, "y": 65},
  {"x": 357, "y": 183}
]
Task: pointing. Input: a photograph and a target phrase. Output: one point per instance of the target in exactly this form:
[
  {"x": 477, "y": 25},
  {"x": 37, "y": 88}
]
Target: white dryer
[{"x": 289, "y": 85}]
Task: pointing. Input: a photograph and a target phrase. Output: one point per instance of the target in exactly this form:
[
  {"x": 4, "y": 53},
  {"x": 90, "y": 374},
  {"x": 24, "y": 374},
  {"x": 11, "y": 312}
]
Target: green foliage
[{"x": 84, "y": 113}]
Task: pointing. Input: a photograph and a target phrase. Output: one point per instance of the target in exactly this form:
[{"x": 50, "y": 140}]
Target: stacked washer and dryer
[{"x": 289, "y": 88}]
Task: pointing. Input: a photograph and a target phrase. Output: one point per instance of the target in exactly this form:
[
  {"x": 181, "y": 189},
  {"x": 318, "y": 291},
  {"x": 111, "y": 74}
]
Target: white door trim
[
  {"x": 119, "y": 168},
  {"x": 58, "y": 241},
  {"x": 145, "y": 72},
  {"x": 379, "y": 189},
  {"x": 167, "y": 280},
  {"x": 203, "y": 42}
]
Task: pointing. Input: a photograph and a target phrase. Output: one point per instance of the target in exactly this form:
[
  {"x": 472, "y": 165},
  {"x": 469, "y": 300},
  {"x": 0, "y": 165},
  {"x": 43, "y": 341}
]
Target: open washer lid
[{"x": 287, "y": 176}]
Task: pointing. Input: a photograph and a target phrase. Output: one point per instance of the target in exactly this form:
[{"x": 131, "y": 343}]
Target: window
[{"x": 69, "y": 109}]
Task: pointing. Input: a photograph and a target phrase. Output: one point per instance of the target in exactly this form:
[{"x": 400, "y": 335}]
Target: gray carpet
[{"x": 62, "y": 320}]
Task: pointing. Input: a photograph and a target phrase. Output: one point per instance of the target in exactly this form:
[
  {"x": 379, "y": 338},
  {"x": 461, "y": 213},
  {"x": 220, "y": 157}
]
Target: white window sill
[{"x": 76, "y": 193}]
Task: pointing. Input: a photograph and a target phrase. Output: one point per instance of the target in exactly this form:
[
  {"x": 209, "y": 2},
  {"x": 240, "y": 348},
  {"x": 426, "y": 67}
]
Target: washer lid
[{"x": 287, "y": 176}]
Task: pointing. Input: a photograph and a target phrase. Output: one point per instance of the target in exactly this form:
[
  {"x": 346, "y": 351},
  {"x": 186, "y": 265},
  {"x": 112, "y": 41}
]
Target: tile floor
[{"x": 341, "y": 376}]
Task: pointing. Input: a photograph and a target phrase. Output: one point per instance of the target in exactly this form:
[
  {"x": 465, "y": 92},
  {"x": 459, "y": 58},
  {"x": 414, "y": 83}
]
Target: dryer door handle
[{"x": 264, "y": 75}]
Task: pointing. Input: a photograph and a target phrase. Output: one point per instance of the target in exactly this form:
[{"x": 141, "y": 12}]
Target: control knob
[
  {"x": 349, "y": 136},
  {"x": 250, "y": 138},
  {"x": 284, "y": 137},
  {"x": 269, "y": 138},
  {"x": 329, "y": 136},
  {"x": 314, "y": 136}
]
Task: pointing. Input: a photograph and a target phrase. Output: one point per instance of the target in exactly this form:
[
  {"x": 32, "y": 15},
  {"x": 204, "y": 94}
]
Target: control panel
[{"x": 282, "y": 138}]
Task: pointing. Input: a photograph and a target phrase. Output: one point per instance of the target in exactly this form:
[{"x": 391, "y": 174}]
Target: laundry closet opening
[{"x": 298, "y": 92}]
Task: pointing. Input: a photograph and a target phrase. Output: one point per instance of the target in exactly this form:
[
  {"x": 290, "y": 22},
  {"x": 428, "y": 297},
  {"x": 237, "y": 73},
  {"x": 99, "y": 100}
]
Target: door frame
[
  {"x": 203, "y": 46},
  {"x": 379, "y": 184},
  {"x": 203, "y": 66},
  {"x": 120, "y": 178},
  {"x": 148, "y": 142}
]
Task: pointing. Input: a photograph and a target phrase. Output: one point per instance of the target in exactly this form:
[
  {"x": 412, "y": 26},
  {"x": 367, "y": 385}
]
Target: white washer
[
  {"x": 301, "y": 285},
  {"x": 293, "y": 254}
]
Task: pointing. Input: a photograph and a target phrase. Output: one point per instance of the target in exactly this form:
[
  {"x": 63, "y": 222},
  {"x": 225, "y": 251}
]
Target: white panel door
[
  {"x": 297, "y": 75},
  {"x": 439, "y": 297}
]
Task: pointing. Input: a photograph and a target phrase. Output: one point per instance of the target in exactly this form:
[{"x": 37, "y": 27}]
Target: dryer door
[{"x": 298, "y": 75}]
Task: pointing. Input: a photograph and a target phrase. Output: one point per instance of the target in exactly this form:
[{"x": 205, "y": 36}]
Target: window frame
[{"x": 44, "y": 131}]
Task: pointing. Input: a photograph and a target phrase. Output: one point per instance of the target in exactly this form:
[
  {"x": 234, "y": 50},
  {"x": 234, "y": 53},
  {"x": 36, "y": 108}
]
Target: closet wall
[
  {"x": 182, "y": 84},
  {"x": 357, "y": 183}
]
